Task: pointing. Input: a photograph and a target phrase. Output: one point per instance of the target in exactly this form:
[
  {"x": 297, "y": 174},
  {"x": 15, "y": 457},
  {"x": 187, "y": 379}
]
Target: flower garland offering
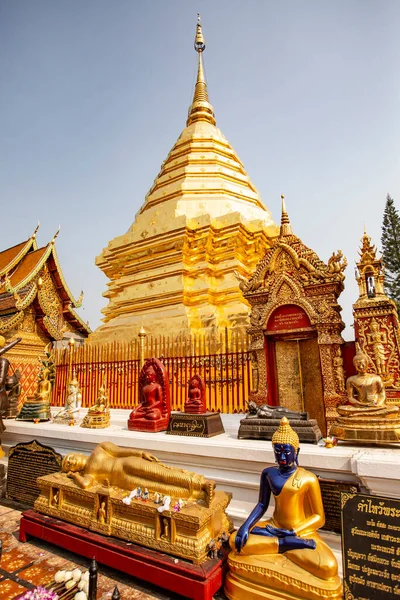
[{"x": 67, "y": 585}]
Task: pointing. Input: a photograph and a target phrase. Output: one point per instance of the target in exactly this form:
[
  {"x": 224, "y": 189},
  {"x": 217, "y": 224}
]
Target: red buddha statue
[
  {"x": 154, "y": 408},
  {"x": 196, "y": 401}
]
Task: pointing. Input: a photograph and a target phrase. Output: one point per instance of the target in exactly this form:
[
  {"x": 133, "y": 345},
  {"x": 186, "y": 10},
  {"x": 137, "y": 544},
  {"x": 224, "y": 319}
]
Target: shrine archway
[{"x": 294, "y": 374}]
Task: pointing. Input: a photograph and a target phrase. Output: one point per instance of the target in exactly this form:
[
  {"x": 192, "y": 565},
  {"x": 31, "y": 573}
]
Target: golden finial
[
  {"x": 200, "y": 109},
  {"x": 71, "y": 342},
  {"x": 199, "y": 44},
  {"x": 286, "y": 228},
  {"x": 55, "y": 235},
  {"x": 142, "y": 332},
  {"x": 286, "y": 435},
  {"x": 36, "y": 230}
]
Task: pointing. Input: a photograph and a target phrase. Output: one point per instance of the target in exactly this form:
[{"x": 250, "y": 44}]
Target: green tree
[{"x": 391, "y": 249}]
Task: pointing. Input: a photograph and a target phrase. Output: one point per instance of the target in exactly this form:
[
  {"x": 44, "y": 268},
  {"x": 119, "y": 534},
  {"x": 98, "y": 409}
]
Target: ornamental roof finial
[
  {"x": 200, "y": 109},
  {"x": 286, "y": 228}
]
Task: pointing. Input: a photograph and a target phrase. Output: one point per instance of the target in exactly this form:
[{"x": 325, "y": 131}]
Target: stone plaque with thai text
[
  {"x": 27, "y": 462},
  {"x": 370, "y": 547},
  {"x": 331, "y": 490},
  {"x": 202, "y": 425}
]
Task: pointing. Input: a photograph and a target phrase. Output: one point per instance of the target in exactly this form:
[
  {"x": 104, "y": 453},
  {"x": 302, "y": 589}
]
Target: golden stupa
[{"x": 173, "y": 272}]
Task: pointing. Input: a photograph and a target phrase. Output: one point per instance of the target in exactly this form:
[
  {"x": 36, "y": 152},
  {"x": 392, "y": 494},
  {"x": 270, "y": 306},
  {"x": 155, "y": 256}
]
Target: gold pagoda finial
[
  {"x": 200, "y": 109},
  {"x": 286, "y": 228}
]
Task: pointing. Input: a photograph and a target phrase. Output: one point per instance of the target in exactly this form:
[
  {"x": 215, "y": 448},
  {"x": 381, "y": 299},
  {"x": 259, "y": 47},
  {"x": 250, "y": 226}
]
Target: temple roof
[
  {"x": 202, "y": 174},
  {"x": 296, "y": 259},
  {"x": 11, "y": 257},
  {"x": 32, "y": 276}
]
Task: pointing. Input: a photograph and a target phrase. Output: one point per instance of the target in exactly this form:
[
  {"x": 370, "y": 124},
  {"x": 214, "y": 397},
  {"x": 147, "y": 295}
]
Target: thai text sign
[
  {"x": 288, "y": 318},
  {"x": 370, "y": 547},
  {"x": 27, "y": 462},
  {"x": 331, "y": 498}
]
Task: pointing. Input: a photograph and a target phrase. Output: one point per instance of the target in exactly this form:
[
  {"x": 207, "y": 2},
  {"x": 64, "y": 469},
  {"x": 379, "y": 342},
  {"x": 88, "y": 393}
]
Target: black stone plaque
[
  {"x": 204, "y": 425},
  {"x": 27, "y": 462},
  {"x": 330, "y": 491},
  {"x": 370, "y": 547}
]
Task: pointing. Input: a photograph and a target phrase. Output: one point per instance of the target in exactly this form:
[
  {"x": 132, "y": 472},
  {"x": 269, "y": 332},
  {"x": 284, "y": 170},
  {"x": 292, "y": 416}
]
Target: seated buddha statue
[
  {"x": 366, "y": 416},
  {"x": 154, "y": 408},
  {"x": 66, "y": 416},
  {"x": 128, "y": 469},
  {"x": 98, "y": 415},
  {"x": 284, "y": 556},
  {"x": 37, "y": 406},
  {"x": 196, "y": 400}
]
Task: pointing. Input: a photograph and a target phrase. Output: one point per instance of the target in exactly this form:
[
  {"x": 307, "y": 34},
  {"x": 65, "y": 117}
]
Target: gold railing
[{"x": 223, "y": 361}]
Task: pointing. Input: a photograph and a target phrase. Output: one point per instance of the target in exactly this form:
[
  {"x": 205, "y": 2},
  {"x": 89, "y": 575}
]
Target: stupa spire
[
  {"x": 286, "y": 228},
  {"x": 200, "y": 109}
]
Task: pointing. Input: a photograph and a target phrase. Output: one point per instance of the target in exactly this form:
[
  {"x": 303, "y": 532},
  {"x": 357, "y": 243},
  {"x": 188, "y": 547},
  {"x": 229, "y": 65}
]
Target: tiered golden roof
[
  {"x": 31, "y": 279},
  {"x": 202, "y": 219}
]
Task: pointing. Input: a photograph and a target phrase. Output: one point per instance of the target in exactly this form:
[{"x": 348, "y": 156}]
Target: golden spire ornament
[
  {"x": 200, "y": 109},
  {"x": 286, "y": 435},
  {"x": 286, "y": 228}
]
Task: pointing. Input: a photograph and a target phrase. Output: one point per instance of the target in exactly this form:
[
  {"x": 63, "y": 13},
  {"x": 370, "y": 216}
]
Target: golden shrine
[
  {"x": 376, "y": 322},
  {"x": 202, "y": 220},
  {"x": 101, "y": 492},
  {"x": 295, "y": 327},
  {"x": 35, "y": 304}
]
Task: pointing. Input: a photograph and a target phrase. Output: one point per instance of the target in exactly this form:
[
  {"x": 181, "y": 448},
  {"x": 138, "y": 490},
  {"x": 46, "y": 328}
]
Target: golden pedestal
[
  {"x": 98, "y": 420},
  {"x": 372, "y": 431},
  {"x": 185, "y": 533},
  {"x": 275, "y": 577}
]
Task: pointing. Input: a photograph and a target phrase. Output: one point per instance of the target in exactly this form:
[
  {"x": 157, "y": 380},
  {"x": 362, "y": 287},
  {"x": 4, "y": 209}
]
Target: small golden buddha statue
[
  {"x": 37, "y": 406},
  {"x": 366, "y": 417},
  {"x": 98, "y": 415},
  {"x": 284, "y": 556}
]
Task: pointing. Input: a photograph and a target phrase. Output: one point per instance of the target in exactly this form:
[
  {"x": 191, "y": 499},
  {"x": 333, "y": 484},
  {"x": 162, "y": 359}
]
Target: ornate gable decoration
[
  {"x": 292, "y": 273},
  {"x": 31, "y": 280}
]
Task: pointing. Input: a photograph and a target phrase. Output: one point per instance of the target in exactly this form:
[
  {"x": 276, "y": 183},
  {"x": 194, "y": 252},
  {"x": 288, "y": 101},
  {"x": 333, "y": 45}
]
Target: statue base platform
[
  {"x": 263, "y": 429},
  {"x": 198, "y": 582},
  {"x": 374, "y": 431},
  {"x": 276, "y": 577},
  {"x": 189, "y": 530},
  {"x": 147, "y": 425},
  {"x": 196, "y": 425},
  {"x": 34, "y": 411},
  {"x": 98, "y": 420}
]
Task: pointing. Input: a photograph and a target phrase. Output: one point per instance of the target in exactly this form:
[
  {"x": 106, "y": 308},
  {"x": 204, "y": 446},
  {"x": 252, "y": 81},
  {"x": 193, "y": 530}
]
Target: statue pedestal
[
  {"x": 372, "y": 431},
  {"x": 31, "y": 411},
  {"x": 200, "y": 425},
  {"x": 147, "y": 425},
  {"x": 276, "y": 578},
  {"x": 263, "y": 429},
  {"x": 199, "y": 582}
]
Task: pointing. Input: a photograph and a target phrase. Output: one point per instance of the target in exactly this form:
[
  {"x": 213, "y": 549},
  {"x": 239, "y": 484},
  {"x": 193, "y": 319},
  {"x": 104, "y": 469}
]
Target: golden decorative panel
[{"x": 288, "y": 374}]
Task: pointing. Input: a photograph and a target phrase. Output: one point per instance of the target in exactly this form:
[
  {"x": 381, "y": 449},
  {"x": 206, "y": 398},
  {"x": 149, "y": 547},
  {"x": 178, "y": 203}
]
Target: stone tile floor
[{"x": 24, "y": 566}]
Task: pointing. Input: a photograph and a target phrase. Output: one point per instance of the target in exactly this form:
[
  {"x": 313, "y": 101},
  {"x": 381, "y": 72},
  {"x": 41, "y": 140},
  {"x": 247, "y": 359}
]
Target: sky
[{"x": 94, "y": 93}]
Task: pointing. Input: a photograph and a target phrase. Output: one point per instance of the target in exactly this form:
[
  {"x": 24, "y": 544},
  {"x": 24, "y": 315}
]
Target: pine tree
[{"x": 391, "y": 249}]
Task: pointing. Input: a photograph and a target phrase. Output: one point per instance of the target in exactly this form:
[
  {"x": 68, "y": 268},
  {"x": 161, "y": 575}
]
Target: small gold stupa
[{"x": 202, "y": 220}]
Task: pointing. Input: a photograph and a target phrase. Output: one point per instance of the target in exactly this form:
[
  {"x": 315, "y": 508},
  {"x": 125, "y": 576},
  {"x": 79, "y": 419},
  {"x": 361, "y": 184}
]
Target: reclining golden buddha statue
[
  {"x": 103, "y": 492},
  {"x": 284, "y": 557}
]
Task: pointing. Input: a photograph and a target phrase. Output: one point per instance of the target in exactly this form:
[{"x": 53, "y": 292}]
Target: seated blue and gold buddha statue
[{"x": 284, "y": 557}]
